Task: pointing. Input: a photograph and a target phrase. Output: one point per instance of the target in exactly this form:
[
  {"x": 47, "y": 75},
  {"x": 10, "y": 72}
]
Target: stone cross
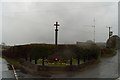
[{"x": 56, "y": 32}]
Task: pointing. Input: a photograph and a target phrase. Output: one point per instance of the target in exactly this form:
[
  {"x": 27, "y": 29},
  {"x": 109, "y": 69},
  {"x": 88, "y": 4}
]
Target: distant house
[
  {"x": 89, "y": 42},
  {"x": 101, "y": 44}
]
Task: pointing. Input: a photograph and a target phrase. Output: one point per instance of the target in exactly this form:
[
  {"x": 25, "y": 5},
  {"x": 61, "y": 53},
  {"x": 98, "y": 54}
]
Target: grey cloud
[{"x": 33, "y": 21}]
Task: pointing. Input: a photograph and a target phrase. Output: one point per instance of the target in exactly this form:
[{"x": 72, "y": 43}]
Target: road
[
  {"x": 9, "y": 74},
  {"x": 6, "y": 73}
]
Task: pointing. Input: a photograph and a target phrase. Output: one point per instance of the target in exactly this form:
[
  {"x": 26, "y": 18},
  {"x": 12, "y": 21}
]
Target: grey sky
[{"x": 28, "y": 22}]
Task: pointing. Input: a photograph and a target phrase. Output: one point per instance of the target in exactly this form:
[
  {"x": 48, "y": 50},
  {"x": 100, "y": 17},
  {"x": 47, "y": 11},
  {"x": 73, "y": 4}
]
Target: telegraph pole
[{"x": 56, "y": 32}]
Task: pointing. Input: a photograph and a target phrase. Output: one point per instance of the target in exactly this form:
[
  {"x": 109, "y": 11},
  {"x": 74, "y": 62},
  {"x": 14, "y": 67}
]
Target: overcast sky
[{"x": 32, "y": 22}]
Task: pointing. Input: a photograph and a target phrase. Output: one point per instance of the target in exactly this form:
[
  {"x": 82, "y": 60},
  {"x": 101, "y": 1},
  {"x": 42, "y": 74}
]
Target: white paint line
[{"x": 16, "y": 77}]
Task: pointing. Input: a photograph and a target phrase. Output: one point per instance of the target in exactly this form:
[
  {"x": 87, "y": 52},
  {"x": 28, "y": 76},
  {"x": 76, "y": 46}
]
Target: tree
[
  {"x": 87, "y": 51},
  {"x": 68, "y": 52},
  {"x": 92, "y": 52},
  {"x": 43, "y": 53},
  {"x": 40, "y": 51},
  {"x": 35, "y": 53},
  {"x": 79, "y": 53},
  {"x": 113, "y": 42}
]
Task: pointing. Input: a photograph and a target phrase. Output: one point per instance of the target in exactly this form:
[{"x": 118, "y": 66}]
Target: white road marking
[{"x": 16, "y": 77}]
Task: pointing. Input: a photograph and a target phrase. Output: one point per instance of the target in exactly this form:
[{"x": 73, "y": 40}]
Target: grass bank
[
  {"x": 14, "y": 62},
  {"x": 108, "y": 52}
]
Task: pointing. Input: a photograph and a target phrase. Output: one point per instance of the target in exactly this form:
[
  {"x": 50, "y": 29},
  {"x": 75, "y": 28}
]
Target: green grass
[
  {"x": 11, "y": 61},
  {"x": 109, "y": 52},
  {"x": 40, "y": 61},
  {"x": 56, "y": 64},
  {"x": 74, "y": 62}
]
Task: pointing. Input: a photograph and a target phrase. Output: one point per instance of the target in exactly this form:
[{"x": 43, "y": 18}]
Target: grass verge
[
  {"x": 12, "y": 62},
  {"x": 108, "y": 52}
]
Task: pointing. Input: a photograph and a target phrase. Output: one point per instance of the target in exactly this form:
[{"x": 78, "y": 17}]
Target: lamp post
[{"x": 56, "y": 31}]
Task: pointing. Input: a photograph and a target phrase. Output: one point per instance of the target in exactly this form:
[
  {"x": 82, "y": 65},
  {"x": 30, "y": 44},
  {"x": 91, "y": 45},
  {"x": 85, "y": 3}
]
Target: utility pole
[
  {"x": 109, "y": 31},
  {"x": 56, "y": 32}
]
